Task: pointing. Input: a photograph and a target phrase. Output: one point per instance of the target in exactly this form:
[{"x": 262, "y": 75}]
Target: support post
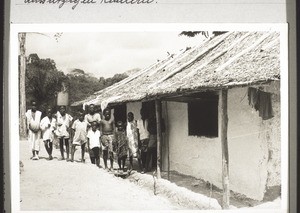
[
  {"x": 159, "y": 135},
  {"x": 22, "y": 90},
  {"x": 224, "y": 142},
  {"x": 167, "y": 137}
]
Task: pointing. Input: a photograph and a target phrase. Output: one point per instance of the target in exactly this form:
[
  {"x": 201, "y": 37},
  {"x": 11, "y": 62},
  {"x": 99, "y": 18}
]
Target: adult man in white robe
[{"x": 33, "y": 119}]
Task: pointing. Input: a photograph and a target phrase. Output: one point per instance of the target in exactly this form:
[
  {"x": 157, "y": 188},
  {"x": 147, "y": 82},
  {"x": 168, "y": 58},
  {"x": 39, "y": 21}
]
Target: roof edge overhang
[{"x": 183, "y": 92}]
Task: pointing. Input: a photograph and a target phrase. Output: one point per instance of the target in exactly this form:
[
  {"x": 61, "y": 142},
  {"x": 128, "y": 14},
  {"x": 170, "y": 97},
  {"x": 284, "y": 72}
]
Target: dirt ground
[
  {"x": 60, "y": 185},
  {"x": 202, "y": 187}
]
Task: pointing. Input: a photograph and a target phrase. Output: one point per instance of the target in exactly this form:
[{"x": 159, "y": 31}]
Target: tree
[
  {"x": 82, "y": 85},
  {"x": 43, "y": 80},
  {"x": 22, "y": 71}
]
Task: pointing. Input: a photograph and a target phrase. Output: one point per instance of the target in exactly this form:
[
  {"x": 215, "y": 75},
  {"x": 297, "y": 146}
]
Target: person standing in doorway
[
  {"x": 152, "y": 146},
  {"x": 132, "y": 134},
  {"x": 142, "y": 126},
  {"x": 47, "y": 126},
  {"x": 62, "y": 131},
  {"x": 33, "y": 119}
]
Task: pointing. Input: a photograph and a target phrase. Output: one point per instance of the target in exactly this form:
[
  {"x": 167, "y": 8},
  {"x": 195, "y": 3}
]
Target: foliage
[
  {"x": 204, "y": 33},
  {"x": 83, "y": 85},
  {"x": 43, "y": 80}
]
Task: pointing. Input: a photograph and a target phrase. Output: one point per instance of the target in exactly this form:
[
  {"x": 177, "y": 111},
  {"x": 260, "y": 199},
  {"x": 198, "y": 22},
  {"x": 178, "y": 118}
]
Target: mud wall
[{"x": 254, "y": 147}]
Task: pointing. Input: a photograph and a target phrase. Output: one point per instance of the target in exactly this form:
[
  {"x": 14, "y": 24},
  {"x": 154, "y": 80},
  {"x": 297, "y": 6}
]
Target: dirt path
[{"x": 60, "y": 185}]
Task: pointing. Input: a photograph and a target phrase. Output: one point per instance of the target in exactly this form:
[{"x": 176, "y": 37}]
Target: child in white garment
[
  {"x": 80, "y": 127},
  {"x": 48, "y": 126}
]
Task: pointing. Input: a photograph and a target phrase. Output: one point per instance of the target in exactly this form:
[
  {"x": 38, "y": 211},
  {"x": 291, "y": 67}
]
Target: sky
[{"x": 107, "y": 53}]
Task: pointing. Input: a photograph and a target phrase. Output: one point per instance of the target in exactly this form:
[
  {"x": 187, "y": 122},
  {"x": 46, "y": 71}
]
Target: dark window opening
[
  {"x": 203, "y": 115},
  {"x": 120, "y": 113},
  {"x": 149, "y": 108}
]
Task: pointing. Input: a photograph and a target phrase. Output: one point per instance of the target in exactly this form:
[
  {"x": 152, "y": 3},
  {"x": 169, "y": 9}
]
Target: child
[
  {"x": 92, "y": 116},
  {"x": 94, "y": 146},
  {"x": 80, "y": 127},
  {"x": 48, "y": 126},
  {"x": 132, "y": 134},
  {"x": 107, "y": 130},
  {"x": 62, "y": 130},
  {"x": 121, "y": 145}
]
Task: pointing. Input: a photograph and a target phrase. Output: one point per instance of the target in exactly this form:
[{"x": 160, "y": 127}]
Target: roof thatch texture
[{"x": 228, "y": 60}]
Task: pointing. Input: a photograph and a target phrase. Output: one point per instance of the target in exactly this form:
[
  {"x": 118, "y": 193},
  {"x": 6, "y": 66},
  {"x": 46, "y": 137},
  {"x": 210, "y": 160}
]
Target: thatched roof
[{"x": 228, "y": 60}]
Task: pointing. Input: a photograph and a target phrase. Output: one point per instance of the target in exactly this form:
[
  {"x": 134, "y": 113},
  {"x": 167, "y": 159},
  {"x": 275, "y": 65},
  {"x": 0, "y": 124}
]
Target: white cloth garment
[
  {"x": 62, "y": 125},
  {"x": 80, "y": 128},
  {"x": 48, "y": 126},
  {"x": 33, "y": 120},
  {"x": 143, "y": 129},
  {"x": 94, "y": 138},
  {"x": 131, "y": 131}
]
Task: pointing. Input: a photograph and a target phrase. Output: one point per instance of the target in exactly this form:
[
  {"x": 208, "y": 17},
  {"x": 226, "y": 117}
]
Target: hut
[{"x": 220, "y": 102}]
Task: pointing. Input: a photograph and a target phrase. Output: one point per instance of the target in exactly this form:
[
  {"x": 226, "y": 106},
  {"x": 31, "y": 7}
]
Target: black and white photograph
[{"x": 157, "y": 117}]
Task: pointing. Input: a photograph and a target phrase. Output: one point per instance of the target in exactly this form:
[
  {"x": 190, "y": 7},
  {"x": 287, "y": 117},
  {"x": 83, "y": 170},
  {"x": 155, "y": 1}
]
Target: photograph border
[{"x": 158, "y": 27}]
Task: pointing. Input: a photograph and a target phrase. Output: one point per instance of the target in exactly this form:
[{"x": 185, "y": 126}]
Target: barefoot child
[
  {"x": 62, "y": 130},
  {"x": 48, "y": 126},
  {"x": 107, "y": 130},
  {"x": 94, "y": 146},
  {"x": 80, "y": 137},
  {"x": 121, "y": 145}
]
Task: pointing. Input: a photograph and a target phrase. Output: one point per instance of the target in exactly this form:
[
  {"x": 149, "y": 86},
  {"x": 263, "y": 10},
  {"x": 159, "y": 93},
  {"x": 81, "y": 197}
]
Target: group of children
[{"x": 92, "y": 132}]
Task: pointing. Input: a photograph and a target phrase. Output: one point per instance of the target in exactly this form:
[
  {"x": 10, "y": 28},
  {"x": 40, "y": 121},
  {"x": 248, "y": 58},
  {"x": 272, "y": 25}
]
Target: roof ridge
[
  {"x": 218, "y": 55},
  {"x": 191, "y": 61},
  {"x": 261, "y": 39}
]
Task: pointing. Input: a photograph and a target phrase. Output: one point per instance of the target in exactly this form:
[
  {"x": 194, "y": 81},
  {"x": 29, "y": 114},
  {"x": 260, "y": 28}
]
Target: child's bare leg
[
  {"x": 111, "y": 160},
  {"x": 131, "y": 162},
  {"x": 46, "y": 146},
  {"x": 140, "y": 163},
  {"x": 67, "y": 147},
  {"x": 50, "y": 150},
  {"x": 119, "y": 162},
  {"x": 98, "y": 161},
  {"x": 105, "y": 152},
  {"x": 82, "y": 152},
  {"x": 61, "y": 147},
  {"x": 123, "y": 162},
  {"x": 72, "y": 153}
]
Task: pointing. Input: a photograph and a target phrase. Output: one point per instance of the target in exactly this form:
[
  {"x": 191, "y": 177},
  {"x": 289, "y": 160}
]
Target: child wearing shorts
[{"x": 107, "y": 128}]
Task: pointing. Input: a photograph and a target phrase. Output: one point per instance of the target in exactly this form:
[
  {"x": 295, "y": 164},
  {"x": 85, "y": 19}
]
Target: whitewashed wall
[
  {"x": 250, "y": 140},
  {"x": 135, "y": 108}
]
